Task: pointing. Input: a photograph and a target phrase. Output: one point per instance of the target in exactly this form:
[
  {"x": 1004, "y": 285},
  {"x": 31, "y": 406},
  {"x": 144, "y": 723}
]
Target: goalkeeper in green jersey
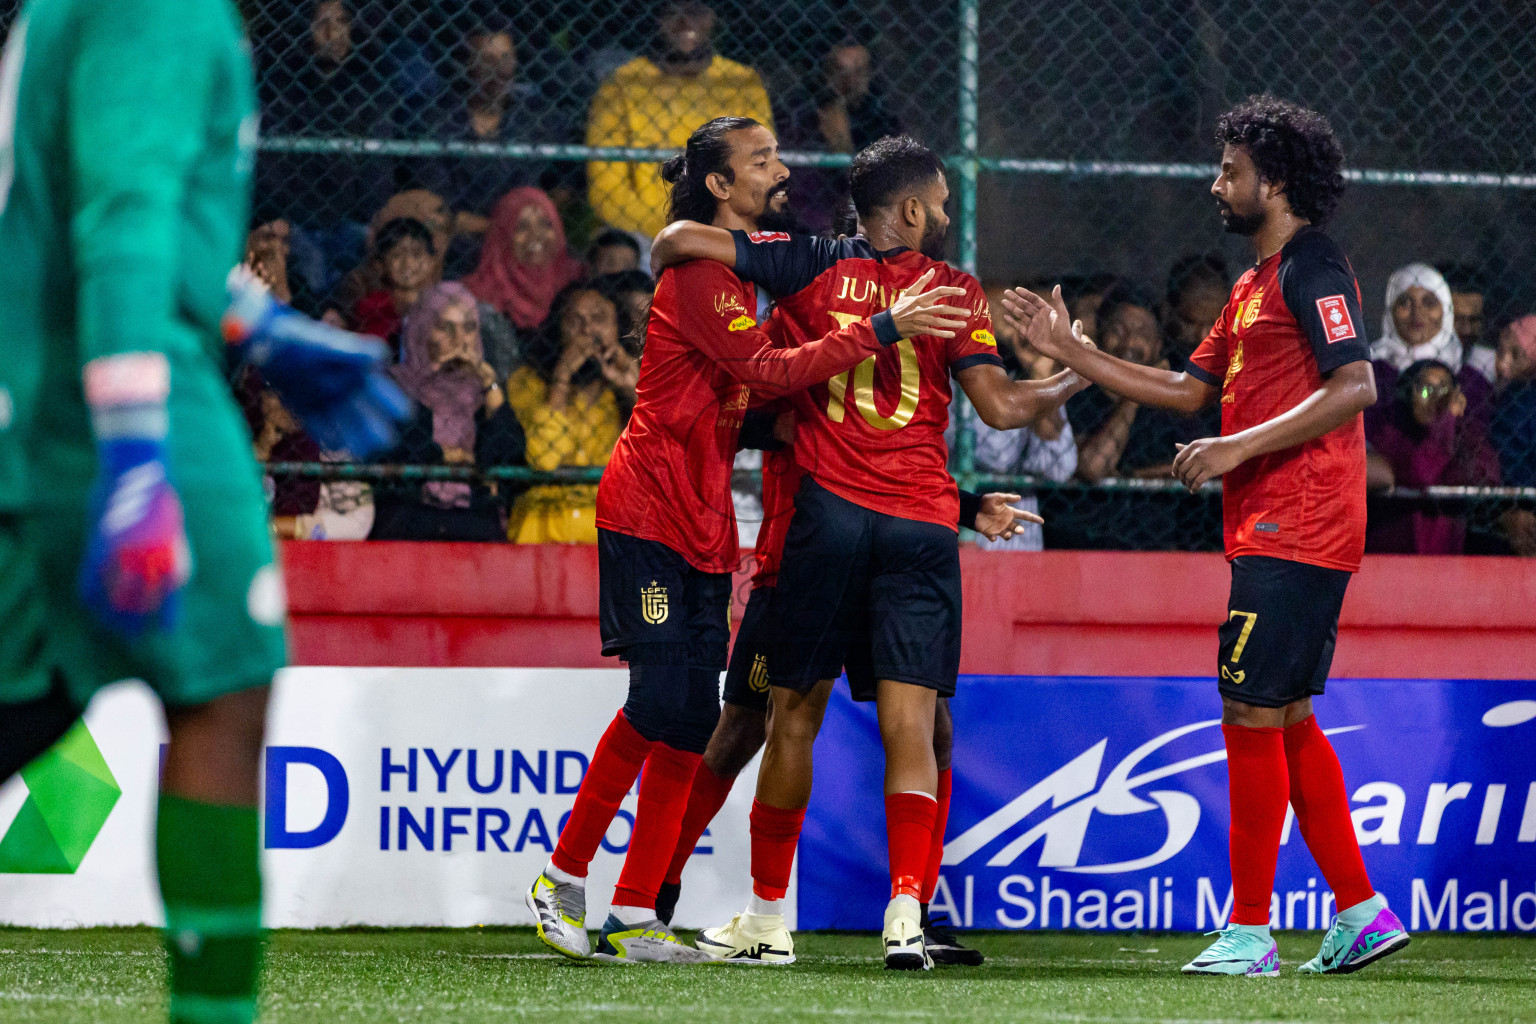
[{"x": 133, "y": 538}]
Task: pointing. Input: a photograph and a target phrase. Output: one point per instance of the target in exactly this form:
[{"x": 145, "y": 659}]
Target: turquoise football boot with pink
[{"x": 1359, "y": 936}]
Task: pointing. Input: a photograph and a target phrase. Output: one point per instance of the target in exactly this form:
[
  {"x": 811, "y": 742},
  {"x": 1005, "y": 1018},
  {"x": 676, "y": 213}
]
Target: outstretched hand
[
  {"x": 999, "y": 520},
  {"x": 918, "y": 312},
  {"x": 1044, "y": 323}
]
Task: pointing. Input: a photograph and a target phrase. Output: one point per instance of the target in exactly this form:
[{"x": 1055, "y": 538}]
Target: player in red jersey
[
  {"x": 1289, "y": 362},
  {"x": 667, "y": 533},
  {"x": 742, "y": 727},
  {"x": 870, "y": 571}
]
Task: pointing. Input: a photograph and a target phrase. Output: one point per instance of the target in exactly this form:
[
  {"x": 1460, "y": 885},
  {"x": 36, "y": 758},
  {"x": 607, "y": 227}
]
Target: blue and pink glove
[
  {"x": 136, "y": 558},
  {"x": 334, "y": 381}
]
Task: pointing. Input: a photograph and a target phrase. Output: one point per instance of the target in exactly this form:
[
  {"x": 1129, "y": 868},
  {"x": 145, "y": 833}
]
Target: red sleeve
[
  {"x": 974, "y": 344},
  {"x": 714, "y": 316},
  {"x": 1208, "y": 363}
]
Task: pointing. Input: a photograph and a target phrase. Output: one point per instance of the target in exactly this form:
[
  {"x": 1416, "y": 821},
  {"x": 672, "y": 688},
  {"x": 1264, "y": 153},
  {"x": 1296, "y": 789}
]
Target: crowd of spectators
[{"x": 520, "y": 352}]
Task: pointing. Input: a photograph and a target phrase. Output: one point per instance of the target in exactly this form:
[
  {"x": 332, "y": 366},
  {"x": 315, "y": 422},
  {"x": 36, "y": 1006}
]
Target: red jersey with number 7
[
  {"x": 873, "y": 435},
  {"x": 1290, "y": 322}
]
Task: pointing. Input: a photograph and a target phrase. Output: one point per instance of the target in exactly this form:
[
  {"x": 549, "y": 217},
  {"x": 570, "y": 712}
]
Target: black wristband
[
  {"x": 970, "y": 508},
  {"x": 886, "y": 331}
]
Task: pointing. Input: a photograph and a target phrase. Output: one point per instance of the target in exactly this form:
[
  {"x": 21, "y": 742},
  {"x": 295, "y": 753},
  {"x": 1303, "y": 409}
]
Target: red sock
[
  {"x": 1322, "y": 811},
  {"x": 663, "y": 798},
  {"x": 909, "y": 836},
  {"x": 775, "y": 833},
  {"x": 615, "y": 763},
  {"x": 704, "y": 802},
  {"x": 936, "y": 849},
  {"x": 1258, "y": 788}
]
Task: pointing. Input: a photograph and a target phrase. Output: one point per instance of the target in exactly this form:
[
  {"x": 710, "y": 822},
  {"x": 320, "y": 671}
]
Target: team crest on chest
[
  {"x": 653, "y": 603},
  {"x": 1250, "y": 310}
]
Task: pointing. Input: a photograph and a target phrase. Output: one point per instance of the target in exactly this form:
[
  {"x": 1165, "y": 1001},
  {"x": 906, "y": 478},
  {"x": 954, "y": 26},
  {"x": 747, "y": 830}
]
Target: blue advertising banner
[{"x": 1101, "y": 803}]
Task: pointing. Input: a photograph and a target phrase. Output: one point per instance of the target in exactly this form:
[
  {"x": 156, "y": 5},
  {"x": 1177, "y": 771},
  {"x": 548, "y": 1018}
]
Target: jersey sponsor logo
[
  {"x": 769, "y": 236},
  {"x": 653, "y": 604},
  {"x": 726, "y": 303},
  {"x": 982, "y": 336},
  {"x": 757, "y": 679},
  {"x": 742, "y": 323},
  {"x": 1336, "y": 319}
]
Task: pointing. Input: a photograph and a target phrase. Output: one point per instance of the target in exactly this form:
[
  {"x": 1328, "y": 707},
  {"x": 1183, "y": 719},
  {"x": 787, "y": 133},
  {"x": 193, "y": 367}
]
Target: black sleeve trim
[
  {"x": 884, "y": 324},
  {"x": 1314, "y": 271},
  {"x": 979, "y": 359},
  {"x": 743, "y": 253},
  {"x": 970, "y": 508},
  {"x": 1202, "y": 375}
]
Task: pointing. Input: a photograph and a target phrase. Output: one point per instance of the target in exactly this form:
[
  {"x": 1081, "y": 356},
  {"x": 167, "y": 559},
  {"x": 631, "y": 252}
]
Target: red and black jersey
[
  {"x": 875, "y": 434},
  {"x": 669, "y": 479},
  {"x": 1291, "y": 321}
]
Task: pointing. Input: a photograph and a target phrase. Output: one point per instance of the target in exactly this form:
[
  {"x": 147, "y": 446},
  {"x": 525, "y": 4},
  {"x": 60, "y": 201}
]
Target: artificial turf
[{"x": 485, "y": 975}]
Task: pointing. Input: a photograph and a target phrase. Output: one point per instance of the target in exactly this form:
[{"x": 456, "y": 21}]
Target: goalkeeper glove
[
  {"x": 333, "y": 380},
  {"x": 136, "y": 555}
]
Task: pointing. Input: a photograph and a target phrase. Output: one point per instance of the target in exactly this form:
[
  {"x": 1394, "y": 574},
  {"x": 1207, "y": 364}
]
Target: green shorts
[{"x": 228, "y": 635}]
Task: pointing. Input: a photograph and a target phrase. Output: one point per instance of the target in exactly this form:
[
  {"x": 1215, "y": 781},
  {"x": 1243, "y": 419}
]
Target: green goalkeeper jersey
[{"x": 127, "y": 134}]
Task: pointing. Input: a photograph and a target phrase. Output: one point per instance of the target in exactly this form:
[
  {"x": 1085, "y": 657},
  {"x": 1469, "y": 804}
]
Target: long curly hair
[{"x": 1291, "y": 144}]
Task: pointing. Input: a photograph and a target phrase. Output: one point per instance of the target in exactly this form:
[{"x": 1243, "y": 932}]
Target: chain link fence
[{"x": 513, "y": 148}]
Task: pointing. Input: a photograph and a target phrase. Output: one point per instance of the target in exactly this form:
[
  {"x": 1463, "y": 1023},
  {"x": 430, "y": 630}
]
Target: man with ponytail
[
  {"x": 869, "y": 576},
  {"x": 667, "y": 534}
]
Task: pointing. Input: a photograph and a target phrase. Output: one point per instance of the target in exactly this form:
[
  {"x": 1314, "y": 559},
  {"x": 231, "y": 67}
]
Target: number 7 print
[{"x": 1249, "y": 618}]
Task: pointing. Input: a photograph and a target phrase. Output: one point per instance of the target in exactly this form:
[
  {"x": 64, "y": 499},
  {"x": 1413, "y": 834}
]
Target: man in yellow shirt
[{"x": 657, "y": 101}]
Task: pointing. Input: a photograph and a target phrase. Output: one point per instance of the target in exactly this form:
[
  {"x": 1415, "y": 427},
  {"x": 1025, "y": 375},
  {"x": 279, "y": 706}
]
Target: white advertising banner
[{"x": 392, "y": 797}]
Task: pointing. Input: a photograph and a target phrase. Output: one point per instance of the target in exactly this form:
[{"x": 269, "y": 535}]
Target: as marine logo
[
  {"x": 982, "y": 336},
  {"x": 653, "y": 603},
  {"x": 741, "y": 323}
]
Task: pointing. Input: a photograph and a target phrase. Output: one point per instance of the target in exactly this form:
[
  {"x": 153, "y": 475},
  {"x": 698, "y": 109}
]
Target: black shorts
[
  {"x": 1282, "y": 623},
  {"x": 746, "y": 678},
  {"x": 875, "y": 593},
  {"x": 649, "y": 594}
]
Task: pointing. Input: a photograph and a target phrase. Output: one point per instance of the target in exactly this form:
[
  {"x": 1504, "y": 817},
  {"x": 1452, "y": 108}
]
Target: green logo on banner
[{"x": 70, "y": 792}]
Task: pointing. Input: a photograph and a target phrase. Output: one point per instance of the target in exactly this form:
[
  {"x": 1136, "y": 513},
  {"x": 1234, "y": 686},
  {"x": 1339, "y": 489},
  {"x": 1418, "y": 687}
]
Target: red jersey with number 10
[
  {"x": 1291, "y": 321},
  {"x": 669, "y": 479},
  {"x": 875, "y": 434}
]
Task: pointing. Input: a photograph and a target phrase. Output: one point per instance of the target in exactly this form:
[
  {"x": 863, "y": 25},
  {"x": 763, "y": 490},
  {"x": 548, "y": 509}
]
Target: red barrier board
[{"x": 1026, "y": 613}]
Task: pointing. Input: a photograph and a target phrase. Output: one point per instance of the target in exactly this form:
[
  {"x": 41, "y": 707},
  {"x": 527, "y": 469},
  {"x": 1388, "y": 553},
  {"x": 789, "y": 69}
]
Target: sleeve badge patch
[
  {"x": 769, "y": 236},
  {"x": 1336, "y": 319},
  {"x": 741, "y": 323},
  {"x": 982, "y": 336}
]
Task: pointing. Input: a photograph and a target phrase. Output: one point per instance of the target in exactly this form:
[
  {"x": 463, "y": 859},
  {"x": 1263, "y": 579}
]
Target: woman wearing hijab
[
  {"x": 1420, "y": 323},
  {"x": 523, "y": 260},
  {"x": 462, "y": 419},
  {"x": 1429, "y": 440},
  {"x": 572, "y": 399}
]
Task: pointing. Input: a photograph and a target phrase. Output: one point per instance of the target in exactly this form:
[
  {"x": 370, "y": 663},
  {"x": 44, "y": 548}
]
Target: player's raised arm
[
  {"x": 716, "y": 320},
  {"x": 1048, "y": 326}
]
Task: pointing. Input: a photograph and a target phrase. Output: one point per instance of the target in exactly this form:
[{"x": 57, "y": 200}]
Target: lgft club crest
[{"x": 653, "y": 603}]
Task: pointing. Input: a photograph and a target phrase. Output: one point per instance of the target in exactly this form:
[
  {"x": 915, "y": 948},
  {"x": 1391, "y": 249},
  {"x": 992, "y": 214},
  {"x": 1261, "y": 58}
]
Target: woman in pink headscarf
[
  {"x": 462, "y": 419},
  {"x": 523, "y": 261}
]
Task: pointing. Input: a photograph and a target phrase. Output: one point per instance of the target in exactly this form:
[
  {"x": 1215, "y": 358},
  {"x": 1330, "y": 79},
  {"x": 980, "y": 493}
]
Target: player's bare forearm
[
  {"x": 684, "y": 240},
  {"x": 1350, "y": 390},
  {"x": 1048, "y": 328},
  {"x": 1005, "y": 404}
]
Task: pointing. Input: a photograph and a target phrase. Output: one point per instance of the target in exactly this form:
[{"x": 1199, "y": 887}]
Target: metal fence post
[{"x": 970, "y": 56}]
